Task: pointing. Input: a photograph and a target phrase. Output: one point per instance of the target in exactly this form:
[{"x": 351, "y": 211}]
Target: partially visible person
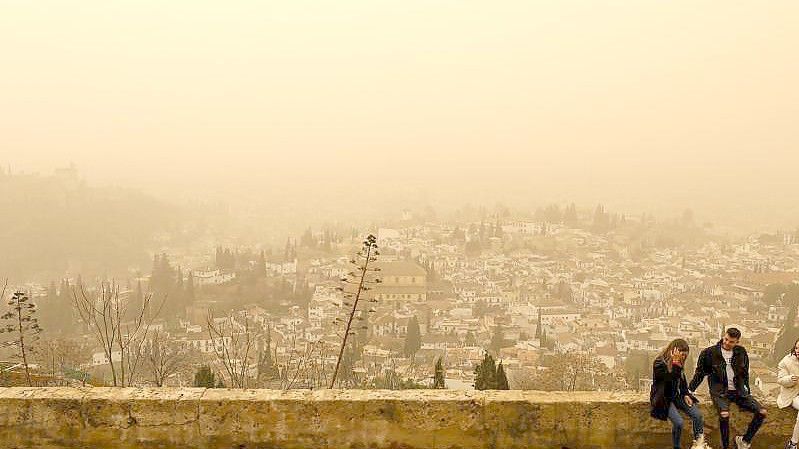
[
  {"x": 788, "y": 378},
  {"x": 670, "y": 396},
  {"x": 726, "y": 365}
]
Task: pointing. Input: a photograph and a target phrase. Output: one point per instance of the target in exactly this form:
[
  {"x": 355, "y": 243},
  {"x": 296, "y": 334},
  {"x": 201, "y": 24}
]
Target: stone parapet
[{"x": 197, "y": 418}]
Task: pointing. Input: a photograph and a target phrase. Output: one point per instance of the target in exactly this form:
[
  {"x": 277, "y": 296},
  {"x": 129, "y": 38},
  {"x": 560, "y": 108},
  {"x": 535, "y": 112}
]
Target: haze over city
[{"x": 640, "y": 106}]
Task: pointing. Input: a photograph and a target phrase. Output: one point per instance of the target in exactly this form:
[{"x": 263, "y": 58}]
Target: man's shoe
[
  {"x": 790, "y": 445},
  {"x": 741, "y": 444}
]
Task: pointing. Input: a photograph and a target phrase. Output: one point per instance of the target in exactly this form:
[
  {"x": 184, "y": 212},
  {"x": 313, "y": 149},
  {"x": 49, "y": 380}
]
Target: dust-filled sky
[{"x": 640, "y": 104}]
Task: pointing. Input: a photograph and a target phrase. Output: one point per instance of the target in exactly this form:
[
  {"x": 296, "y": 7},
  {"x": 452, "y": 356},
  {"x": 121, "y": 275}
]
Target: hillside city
[{"x": 561, "y": 298}]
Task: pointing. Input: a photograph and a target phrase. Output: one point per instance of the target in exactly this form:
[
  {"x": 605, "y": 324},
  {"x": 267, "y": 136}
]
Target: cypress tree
[
  {"x": 485, "y": 374},
  {"x": 189, "y": 294},
  {"x": 438, "y": 380},
  {"x": 502, "y": 379},
  {"x": 204, "y": 377},
  {"x": 479, "y": 377},
  {"x": 135, "y": 303},
  {"x": 538, "y": 333},
  {"x": 260, "y": 268},
  {"x": 177, "y": 298},
  {"x": 413, "y": 340},
  {"x": 470, "y": 339},
  {"x": 497, "y": 340}
]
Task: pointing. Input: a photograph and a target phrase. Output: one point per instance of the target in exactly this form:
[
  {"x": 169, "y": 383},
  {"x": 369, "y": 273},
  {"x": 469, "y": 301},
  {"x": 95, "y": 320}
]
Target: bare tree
[
  {"x": 291, "y": 367},
  {"x": 50, "y": 355},
  {"x": 191, "y": 358},
  {"x": 362, "y": 279},
  {"x": 164, "y": 358},
  {"x": 574, "y": 372},
  {"x": 302, "y": 366},
  {"x": 318, "y": 368},
  {"x": 96, "y": 313},
  {"x": 103, "y": 310},
  {"x": 22, "y": 320},
  {"x": 302, "y": 369},
  {"x": 58, "y": 354},
  {"x": 234, "y": 347},
  {"x": 267, "y": 369}
]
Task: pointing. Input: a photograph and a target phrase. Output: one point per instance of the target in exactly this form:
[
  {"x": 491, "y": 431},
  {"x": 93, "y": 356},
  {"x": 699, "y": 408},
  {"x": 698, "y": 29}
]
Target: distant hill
[{"x": 53, "y": 224}]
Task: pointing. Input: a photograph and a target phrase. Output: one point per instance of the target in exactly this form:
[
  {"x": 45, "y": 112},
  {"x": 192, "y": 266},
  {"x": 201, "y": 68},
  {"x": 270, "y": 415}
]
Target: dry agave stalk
[{"x": 356, "y": 284}]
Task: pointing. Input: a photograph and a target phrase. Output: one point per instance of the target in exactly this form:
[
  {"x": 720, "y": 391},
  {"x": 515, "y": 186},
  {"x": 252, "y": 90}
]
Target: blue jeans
[{"x": 677, "y": 421}]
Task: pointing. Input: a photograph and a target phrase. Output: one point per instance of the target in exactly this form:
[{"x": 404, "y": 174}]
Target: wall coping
[{"x": 67, "y": 417}]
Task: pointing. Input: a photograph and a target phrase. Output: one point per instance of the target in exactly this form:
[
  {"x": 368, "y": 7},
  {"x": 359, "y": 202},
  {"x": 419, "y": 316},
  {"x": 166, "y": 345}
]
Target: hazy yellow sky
[{"x": 628, "y": 101}]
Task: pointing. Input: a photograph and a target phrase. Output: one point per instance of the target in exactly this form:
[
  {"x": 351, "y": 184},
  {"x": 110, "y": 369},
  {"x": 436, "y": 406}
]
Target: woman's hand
[
  {"x": 678, "y": 357},
  {"x": 688, "y": 401},
  {"x": 794, "y": 378}
]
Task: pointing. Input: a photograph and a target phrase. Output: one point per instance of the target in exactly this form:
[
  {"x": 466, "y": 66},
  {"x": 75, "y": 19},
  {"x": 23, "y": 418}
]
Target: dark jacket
[
  {"x": 712, "y": 364},
  {"x": 667, "y": 388}
]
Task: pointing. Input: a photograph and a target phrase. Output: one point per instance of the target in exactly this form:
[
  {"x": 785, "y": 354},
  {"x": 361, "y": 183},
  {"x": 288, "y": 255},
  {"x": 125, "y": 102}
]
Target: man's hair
[{"x": 733, "y": 332}]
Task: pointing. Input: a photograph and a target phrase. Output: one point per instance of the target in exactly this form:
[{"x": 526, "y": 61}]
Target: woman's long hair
[
  {"x": 793, "y": 348},
  {"x": 678, "y": 344}
]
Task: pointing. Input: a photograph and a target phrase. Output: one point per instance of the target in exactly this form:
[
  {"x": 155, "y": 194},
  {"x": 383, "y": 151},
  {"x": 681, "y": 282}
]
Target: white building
[
  {"x": 212, "y": 277},
  {"x": 99, "y": 357}
]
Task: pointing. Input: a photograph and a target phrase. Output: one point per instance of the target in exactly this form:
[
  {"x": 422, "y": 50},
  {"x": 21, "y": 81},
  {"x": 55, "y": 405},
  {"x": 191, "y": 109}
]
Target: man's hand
[
  {"x": 688, "y": 401},
  {"x": 794, "y": 378}
]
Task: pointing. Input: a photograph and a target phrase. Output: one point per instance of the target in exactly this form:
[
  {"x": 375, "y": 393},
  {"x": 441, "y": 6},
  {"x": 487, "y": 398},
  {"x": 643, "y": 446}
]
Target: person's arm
[
  {"x": 684, "y": 391},
  {"x": 676, "y": 371},
  {"x": 784, "y": 378},
  {"x": 659, "y": 372},
  {"x": 699, "y": 372},
  {"x": 660, "y": 379},
  {"x": 746, "y": 373}
]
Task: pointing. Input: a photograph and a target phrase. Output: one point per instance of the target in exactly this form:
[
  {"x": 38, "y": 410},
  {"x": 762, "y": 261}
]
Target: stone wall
[{"x": 339, "y": 419}]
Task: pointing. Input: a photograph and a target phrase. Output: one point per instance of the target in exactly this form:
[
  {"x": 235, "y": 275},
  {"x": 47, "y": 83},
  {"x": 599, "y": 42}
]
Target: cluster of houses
[
  {"x": 586, "y": 295},
  {"x": 533, "y": 292}
]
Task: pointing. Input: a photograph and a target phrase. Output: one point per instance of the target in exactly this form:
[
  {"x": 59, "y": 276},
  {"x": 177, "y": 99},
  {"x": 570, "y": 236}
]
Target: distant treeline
[{"x": 55, "y": 224}]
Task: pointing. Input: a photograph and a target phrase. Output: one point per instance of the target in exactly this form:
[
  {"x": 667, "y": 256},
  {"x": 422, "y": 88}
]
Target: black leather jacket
[
  {"x": 712, "y": 364},
  {"x": 667, "y": 387}
]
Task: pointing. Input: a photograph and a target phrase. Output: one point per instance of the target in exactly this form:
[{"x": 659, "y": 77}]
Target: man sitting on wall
[{"x": 726, "y": 365}]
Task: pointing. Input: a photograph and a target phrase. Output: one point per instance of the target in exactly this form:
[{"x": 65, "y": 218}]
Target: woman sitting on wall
[
  {"x": 670, "y": 396},
  {"x": 788, "y": 378}
]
